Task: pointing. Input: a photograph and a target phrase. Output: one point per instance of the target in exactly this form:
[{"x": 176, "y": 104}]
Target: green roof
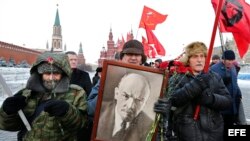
[{"x": 57, "y": 20}]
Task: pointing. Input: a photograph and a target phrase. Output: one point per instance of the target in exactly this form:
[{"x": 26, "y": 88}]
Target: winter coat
[
  {"x": 92, "y": 100},
  {"x": 43, "y": 126},
  {"x": 187, "y": 94},
  {"x": 82, "y": 79}
]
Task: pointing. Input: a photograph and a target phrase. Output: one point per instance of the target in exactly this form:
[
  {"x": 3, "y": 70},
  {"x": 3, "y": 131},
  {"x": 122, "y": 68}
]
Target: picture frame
[{"x": 107, "y": 115}]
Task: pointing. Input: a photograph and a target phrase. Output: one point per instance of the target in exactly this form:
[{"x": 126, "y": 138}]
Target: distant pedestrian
[
  {"x": 215, "y": 59},
  {"x": 97, "y": 75},
  {"x": 158, "y": 63},
  {"x": 78, "y": 77},
  {"x": 226, "y": 69}
]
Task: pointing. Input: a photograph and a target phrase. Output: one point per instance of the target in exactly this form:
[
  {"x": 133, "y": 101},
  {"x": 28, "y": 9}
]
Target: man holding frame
[{"x": 132, "y": 53}]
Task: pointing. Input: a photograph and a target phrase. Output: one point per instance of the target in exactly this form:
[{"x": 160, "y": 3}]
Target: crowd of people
[{"x": 59, "y": 100}]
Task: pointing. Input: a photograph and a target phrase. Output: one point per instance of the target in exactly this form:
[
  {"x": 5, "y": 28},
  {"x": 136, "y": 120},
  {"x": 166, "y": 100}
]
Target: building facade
[{"x": 113, "y": 49}]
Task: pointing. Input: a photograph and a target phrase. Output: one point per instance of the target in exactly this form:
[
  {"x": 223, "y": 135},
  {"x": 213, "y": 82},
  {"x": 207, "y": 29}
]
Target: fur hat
[
  {"x": 192, "y": 49},
  {"x": 133, "y": 47},
  {"x": 228, "y": 55},
  {"x": 46, "y": 68}
]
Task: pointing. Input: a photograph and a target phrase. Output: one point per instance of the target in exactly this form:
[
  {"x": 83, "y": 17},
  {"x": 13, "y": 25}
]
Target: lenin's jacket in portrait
[{"x": 136, "y": 131}]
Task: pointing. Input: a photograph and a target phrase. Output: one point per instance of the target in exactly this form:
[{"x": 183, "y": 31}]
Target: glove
[
  {"x": 162, "y": 106},
  {"x": 203, "y": 80},
  {"x": 14, "y": 103},
  {"x": 206, "y": 97},
  {"x": 56, "y": 107}
]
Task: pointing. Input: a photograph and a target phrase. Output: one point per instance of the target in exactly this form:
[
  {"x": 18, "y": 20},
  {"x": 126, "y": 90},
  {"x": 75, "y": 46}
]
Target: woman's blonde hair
[{"x": 192, "y": 49}]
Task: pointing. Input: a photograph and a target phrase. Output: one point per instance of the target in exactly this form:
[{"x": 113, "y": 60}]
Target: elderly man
[
  {"x": 191, "y": 89},
  {"x": 55, "y": 109}
]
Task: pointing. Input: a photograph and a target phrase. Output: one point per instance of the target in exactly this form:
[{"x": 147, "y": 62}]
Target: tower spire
[{"x": 57, "y": 34}]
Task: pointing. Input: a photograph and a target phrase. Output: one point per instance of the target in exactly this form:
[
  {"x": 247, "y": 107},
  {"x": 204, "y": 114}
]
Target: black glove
[
  {"x": 56, "y": 107},
  {"x": 206, "y": 97},
  {"x": 162, "y": 106},
  {"x": 203, "y": 80},
  {"x": 14, "y": 103}
]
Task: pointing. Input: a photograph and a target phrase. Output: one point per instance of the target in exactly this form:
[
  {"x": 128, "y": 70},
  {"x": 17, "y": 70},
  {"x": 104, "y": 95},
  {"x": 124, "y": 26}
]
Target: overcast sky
[{"x": 30, "y": 23}]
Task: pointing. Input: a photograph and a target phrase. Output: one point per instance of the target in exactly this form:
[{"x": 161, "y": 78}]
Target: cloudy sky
[{"x": 30, "y": 23}]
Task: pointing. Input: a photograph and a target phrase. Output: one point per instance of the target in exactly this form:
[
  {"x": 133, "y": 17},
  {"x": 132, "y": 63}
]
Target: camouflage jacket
[{"x": 43, "y": 126}]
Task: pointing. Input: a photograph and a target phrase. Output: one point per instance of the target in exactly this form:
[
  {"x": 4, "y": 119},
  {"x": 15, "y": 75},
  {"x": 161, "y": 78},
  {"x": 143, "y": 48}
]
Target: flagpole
[
  {"x": 218, "y": 11},
  {"x": 221, "y": 39}
]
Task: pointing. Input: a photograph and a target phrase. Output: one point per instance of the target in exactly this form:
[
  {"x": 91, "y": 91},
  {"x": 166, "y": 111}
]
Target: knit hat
[
  {"x": 215, "y": 57},
  {"x": 47, "y": 68},
  {"x": 133, "y": 47},
  {"x": 192, "y": 49},
  {"x": 228, "y": 55}
]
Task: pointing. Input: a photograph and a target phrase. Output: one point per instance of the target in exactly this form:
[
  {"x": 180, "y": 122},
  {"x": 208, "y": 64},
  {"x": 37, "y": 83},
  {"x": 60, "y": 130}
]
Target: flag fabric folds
[
  {"x": 151, "y": 18},
  {"x": 148, "y": 49},
  {"x": 235, "y": 18},
  {"x": 155, "y": 42}
]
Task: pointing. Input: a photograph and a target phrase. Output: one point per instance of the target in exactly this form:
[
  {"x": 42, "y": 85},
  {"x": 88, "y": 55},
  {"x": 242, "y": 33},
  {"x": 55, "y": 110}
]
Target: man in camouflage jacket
[{"x": 55, "y": 109}]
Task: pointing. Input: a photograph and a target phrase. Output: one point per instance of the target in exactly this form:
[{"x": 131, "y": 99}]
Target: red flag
[
  {"x": 148, "y": 50},
  {"x": 235, "y": 18},
  {"x": 151, "y": 18},
  {"x": 241, "y": 43},
  {"x": 153, "y": 40},
  {"x": 120, "y": 45}
]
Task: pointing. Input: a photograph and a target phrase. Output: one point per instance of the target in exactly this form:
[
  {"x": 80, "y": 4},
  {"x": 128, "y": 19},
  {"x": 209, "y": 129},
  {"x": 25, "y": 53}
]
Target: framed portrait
[{"x": 127, "y": 93}]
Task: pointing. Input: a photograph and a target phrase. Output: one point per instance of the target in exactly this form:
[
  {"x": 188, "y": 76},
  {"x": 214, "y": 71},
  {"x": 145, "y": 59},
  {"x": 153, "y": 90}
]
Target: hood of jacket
[{"x": 58, "y": 59}]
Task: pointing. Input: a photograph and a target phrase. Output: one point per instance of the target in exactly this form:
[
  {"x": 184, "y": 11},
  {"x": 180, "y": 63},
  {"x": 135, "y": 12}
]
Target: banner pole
[{"x": 218, "y": 11}]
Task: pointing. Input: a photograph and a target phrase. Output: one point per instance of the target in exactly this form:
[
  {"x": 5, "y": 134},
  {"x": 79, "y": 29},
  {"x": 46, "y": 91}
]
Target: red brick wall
[{"x": 17, "y": 53}]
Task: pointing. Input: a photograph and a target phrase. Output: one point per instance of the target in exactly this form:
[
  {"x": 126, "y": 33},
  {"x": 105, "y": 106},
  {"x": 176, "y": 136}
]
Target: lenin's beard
[{"x": 50, "y": 85}]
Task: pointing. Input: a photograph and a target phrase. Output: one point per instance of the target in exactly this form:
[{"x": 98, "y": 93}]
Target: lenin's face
[{"x": 131, "y": 95}]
